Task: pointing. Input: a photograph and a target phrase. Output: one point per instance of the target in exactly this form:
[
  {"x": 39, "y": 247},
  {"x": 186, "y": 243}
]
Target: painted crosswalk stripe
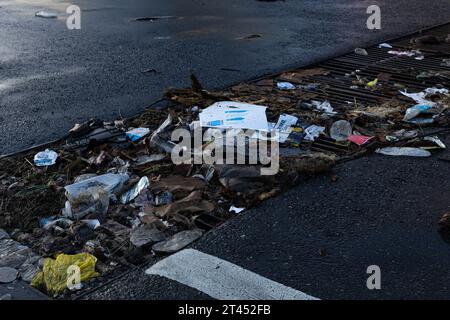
[{"x": 221, "y": 279}]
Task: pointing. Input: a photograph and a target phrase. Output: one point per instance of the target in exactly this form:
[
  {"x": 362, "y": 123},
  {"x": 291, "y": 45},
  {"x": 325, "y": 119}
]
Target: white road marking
[{"x": 221, "y": 279}]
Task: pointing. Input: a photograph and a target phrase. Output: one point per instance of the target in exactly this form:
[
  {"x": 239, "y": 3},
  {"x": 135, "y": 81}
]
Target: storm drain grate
[{"x": 393, "y": 72}]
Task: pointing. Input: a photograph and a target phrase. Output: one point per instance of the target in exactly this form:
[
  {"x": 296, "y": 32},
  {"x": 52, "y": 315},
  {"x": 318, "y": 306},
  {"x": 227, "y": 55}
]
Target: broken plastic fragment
[
  {"x": 313, "y": 132},
  {"x": 285, "y": 86},
  {"x": 385, "y": 45},
  {"x": 164, "y": 125},
  {"x": 159, "y": 142},
  {"x": 404, "y": 151},
  {"x": 438, "y": 144},
  {"x": 135, "y": 190},
  {"x": 236, "y": 209},
  {"x": 46, "y": 14},
  {"x": 144, "y": 159}
]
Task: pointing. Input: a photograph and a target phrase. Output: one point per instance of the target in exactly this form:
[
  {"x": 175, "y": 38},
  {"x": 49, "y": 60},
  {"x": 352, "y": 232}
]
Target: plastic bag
[
  {"x": 45, "y": 158},
  {"x": 92, "y": 195},
  {"x": 416, "y": 110},
  {"x": 55, "y": 276},
  {"x": 323, "y": 106},
  {"x": 109, "y": 182}
]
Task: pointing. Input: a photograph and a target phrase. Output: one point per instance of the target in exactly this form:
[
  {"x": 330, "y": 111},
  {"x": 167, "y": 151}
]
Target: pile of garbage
[{"x": 111, "y": 195}]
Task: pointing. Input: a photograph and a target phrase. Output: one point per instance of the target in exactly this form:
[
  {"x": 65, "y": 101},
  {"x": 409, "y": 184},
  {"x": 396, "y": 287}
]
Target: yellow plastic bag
[
  {"x": 372, "y": 83},
  {"x": 62, "y": 273}
]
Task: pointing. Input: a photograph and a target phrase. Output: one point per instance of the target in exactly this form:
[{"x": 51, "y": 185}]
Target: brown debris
[
  {"x": 177, "y": 185},
  {"x": 444, "y": 221},
  {"x": 314, "y": 163},
  {"x": 427, "y": 39},
  {"x": 298, "y": 76},
  {"x": 188, "y": 206},
  {"x": 195, "y": 95}
]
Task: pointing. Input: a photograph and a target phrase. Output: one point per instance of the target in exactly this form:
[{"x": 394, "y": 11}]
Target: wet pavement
[
  {"x": 52, "y": 77},
  {"x": 319, "y": 237}
]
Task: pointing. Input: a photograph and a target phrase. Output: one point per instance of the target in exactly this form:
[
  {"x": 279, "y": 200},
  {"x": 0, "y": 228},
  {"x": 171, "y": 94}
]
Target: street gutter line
[
  {"x": 288, "y": 68},
  {"x": 221, "y": 279}
]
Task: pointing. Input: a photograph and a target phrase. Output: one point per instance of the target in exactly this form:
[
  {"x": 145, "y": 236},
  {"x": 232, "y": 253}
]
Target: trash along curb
[{"x": 110, "y": 197}]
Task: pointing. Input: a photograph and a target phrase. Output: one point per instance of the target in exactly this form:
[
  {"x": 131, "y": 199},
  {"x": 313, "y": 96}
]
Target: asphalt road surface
[
  {"x": 52, "y": 77},
  {"x": 318, "y": 238}
]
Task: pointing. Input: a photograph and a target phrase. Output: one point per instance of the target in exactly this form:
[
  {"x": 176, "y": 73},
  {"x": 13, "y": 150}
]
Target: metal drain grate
[{"x": 398, "y": 72}]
